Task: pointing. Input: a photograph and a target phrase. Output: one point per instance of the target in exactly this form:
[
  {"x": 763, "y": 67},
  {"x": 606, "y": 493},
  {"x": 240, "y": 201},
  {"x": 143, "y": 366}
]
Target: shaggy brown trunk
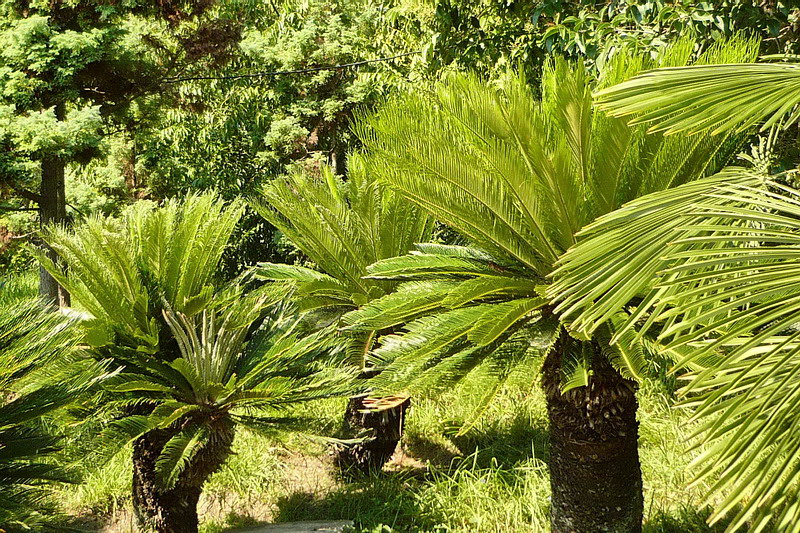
[
  {"x": 173, "y": 510},
  {"x": 382, "y": 421},
  {"x": 595, "y": 475},
  {"x": 52, "y": 209}
]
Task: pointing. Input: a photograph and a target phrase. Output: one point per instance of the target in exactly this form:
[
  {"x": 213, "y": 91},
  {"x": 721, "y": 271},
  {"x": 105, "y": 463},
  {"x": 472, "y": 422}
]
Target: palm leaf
[{"x": 708, "y": 97}]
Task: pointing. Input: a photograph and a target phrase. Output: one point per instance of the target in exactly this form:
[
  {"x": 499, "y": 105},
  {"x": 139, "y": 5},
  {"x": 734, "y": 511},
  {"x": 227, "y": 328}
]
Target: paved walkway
[{"x": 319, "y": 526}]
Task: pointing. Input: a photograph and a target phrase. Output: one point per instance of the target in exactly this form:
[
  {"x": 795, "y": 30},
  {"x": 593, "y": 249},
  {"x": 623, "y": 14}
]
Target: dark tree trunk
[
  {"x": 383, "y": 429},
  {"x": 595, "y": 475},
  {"x": 174, "y": 510},
  {"x": 52, "y": 209}
]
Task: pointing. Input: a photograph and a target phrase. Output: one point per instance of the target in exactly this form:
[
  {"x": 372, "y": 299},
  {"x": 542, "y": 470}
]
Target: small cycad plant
[
  {"x": 343, "y": 226},
  {"x": 194, "y": 358}
]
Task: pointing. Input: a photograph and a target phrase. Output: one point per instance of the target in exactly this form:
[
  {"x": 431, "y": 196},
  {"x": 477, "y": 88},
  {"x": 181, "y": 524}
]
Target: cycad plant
[
  {"x": 711, "y": 268},
  {"x": 194, "y": 360},
  {"x": 31, "y": 337},
  {"x": 518, "y": 175},
  {"x": 344, "y": 226}
]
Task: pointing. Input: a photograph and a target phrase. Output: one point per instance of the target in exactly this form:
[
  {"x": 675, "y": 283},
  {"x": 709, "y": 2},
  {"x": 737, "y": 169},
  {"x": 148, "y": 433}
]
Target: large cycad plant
[
  {"x": 343, "y": 227},
  {"x": 712, "y": 270},
  {"x": 194, "y": 359},
  {"x": 518, "y": 176}
]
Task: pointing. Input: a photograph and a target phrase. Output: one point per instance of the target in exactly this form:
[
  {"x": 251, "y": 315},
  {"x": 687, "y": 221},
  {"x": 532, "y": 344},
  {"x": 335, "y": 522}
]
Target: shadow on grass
[
  {"x": 383, "y": 499},
  {"x": 508, "y": 444},
  {"x": 685, "y": 520}
]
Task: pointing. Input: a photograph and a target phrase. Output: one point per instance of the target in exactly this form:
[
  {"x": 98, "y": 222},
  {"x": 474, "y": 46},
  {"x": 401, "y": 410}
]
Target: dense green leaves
[
  {"x": 122, "y": 270},
  {"x": 620, "y": 255}
]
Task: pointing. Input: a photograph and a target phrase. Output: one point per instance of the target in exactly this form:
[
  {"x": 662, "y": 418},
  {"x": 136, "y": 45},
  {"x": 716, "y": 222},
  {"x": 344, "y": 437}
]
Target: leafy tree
[
  {"x": 236, "y": 134},
  {"x": 70, "y": 71},
  {"x": 196, "y": 360},
  {"x": 518, "y": 177},
  {"x": 344, "y": 226},
  {"x": 30, "y": 337},
  {"x": 491, "y": 35}
]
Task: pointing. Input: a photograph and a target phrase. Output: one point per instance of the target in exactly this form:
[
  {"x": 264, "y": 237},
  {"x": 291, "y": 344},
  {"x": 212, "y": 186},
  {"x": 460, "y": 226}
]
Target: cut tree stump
[{"x": 380, "y": 422}]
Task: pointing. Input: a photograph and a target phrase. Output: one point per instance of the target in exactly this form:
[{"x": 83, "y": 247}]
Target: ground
[{"x": 491, "y": 479}]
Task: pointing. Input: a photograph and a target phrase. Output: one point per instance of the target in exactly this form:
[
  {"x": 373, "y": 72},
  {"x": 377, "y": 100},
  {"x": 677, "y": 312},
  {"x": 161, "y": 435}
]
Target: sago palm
[
  {"x": 194, "y": 359},
  {"x": 344, "y": 226},
  {"x": 712, "y": 269},
  {"x": 715, "y": 277},
  {"x": 518, "y": 176},
  {"x": 31, "y": 337}
]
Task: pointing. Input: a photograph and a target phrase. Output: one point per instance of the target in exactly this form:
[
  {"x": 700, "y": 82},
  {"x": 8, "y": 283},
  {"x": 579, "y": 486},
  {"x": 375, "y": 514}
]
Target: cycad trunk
[
  {"x": 595, "y": 475},
  {"x": 159, "y": 510}
]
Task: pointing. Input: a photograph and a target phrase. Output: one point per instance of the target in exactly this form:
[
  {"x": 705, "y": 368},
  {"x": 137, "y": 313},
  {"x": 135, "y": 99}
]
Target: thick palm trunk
[
  {"x": 595, "y": 475},
  {"x": 159, "y": 510}
]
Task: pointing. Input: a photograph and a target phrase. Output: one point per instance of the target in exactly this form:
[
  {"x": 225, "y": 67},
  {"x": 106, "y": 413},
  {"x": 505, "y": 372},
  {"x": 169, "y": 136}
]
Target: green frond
[
  {"x": 699, "y": 98},
  {"x": 409, "y": 301},
  {"x": 514, "y": 363},
  {"x": 276, "y": 271},
  {"x": 342, "y": 226},
  {"x": 627, "y": 354},
  {"x": 619, "y": 256},
  {"x": 426, "y": 265},
  {"x": 576, "y": 366},
  {"x": 426, "y": 336},
  {"x": 32, "y": 337},
  {"x": 499, "y": 318},
  {"x": 178, "y": 453}
]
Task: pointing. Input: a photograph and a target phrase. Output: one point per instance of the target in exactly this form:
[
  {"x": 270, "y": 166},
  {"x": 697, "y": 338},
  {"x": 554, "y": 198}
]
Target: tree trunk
[
  {"x": 382, "y": 421},
  {"x": 595, "y": 476},
  {"x": 160, "y": 510},
  {"x": 52, "y": 209}
]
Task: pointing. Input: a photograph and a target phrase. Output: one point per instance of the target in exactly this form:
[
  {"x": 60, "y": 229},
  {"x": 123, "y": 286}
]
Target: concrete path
[{"x": 318, "y": 526}]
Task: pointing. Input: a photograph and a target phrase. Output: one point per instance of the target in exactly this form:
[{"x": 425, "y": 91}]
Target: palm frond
[
  {"x": 342, "y": 226},
  {"x": 32, "y": 337},
  {"x": 718, "y": 98},
  {"x": 619, "y": 256},
  {"x": 729, "y": 291}
]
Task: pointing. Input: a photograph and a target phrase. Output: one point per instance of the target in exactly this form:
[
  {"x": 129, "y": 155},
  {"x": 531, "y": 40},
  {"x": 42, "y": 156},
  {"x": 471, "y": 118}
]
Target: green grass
[{"x": 491, "y": 479}]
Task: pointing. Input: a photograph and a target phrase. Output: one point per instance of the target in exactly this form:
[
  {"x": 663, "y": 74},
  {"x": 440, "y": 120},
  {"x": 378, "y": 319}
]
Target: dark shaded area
[{"x": 382, "y": 499}]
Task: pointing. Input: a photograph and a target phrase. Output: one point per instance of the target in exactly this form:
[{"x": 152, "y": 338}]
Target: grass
[{"x": 491, "y": 479}]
